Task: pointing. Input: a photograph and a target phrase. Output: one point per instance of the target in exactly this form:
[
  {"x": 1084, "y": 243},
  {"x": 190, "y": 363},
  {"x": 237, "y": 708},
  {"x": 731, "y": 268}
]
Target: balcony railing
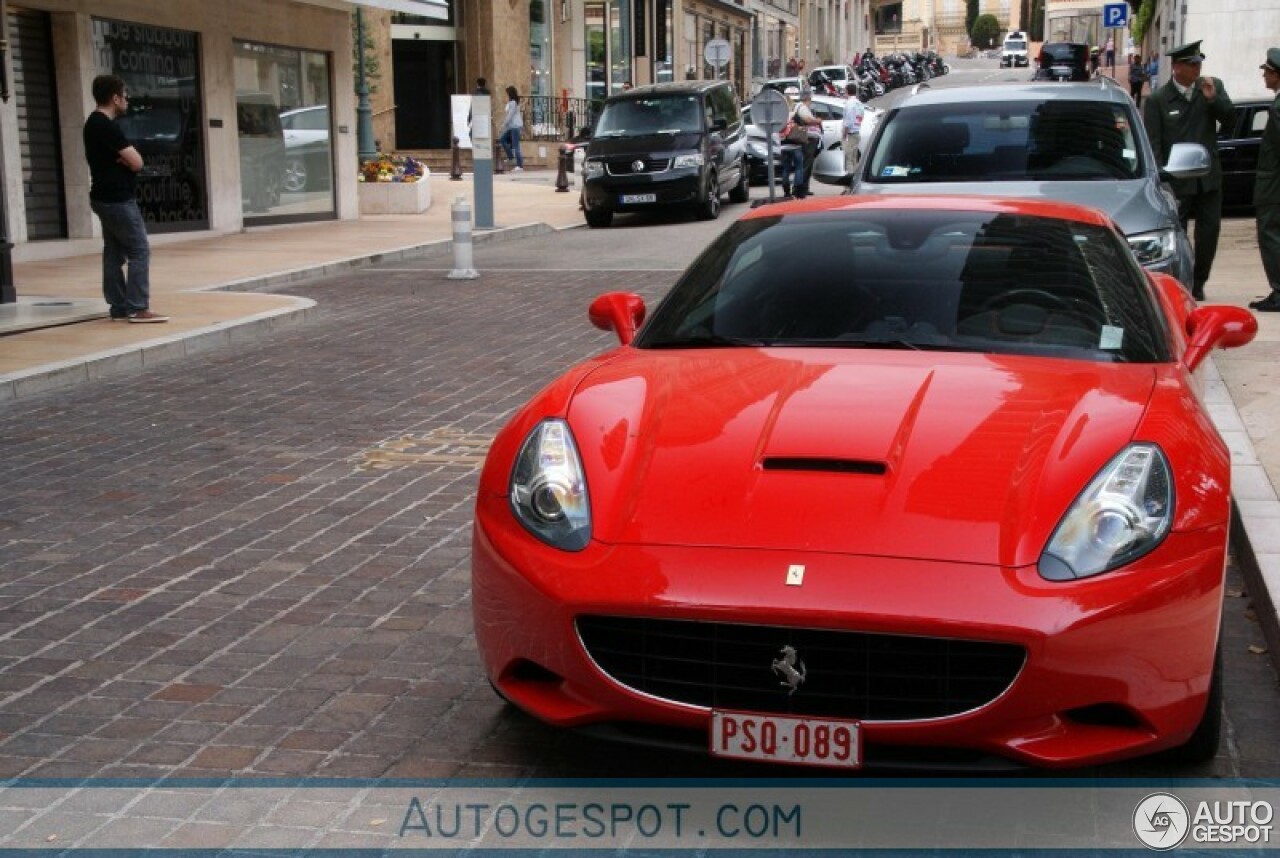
[{"x": 551, "y": 117}]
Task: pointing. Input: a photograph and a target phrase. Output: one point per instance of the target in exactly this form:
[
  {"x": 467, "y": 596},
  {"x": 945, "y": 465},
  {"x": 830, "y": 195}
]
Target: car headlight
[
  {"x": 593, "y": 169},
  {"x": 549, "y": 488},
  {"x": 1125, "y": 512},
  {"x": 756, "y": 149},
  {"x": 1154, "y": 247},
  {"x": 688, "y": 161}
]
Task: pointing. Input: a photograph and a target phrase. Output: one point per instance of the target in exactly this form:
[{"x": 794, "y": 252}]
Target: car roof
[
  {"x": 1104, "y": 90},
  {"x": 683, "y": 87}
]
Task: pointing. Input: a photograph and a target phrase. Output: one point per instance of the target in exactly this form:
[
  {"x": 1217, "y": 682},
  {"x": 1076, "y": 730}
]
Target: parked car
[
  {"x": 828, "y": 167},
  {"x": 1062, "y": 61},
  {"x": 1074, "y": 142},
  {"x": 664, "y": 146},
  {"x": 308, "y": 157},
  {"x": 949, "y": 489},
  {"x": 1238, "y": 145},
  {"x": 788, "y": 86},
  {"x": 1013, "y": 53},
  {"x": 837, "y": 76}
]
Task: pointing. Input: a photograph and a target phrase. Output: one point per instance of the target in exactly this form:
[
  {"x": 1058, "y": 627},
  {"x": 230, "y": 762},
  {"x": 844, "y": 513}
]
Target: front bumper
[
  {"x": 1117, "y": 666},
  {"x": 674, "y": 187}
]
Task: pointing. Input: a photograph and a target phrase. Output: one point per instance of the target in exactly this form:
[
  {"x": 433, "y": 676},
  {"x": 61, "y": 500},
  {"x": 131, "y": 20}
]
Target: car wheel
[
  {"x": 295, "y": 175},
  {"x": 742, "y": 191},
  {"x": 1203, "y": 744},
  {"x": 709, "y": 208},
  {"x": 599, "y": 218}
]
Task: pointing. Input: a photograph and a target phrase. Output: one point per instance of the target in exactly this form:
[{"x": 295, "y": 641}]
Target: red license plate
[{"x": 784, "y": 739}]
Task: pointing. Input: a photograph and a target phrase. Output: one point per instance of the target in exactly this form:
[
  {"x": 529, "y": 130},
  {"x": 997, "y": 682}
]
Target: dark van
[
  {"x": 1063, "y": 61},
  {"x": 666, "y": 145}
]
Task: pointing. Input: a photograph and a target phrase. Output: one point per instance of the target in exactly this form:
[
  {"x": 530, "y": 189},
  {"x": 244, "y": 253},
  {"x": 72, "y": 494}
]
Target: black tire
[
  {"x": 741, "y": 192},
  {"x": 1203, "y": 744},
  {"x": 709, "y": 208},
  {"x": 599, "y": 218}
]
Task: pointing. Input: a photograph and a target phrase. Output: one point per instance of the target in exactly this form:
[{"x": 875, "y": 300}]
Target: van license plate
[
  {"x": 629, "y": 199},
  {"x": 782, "y": 739}
]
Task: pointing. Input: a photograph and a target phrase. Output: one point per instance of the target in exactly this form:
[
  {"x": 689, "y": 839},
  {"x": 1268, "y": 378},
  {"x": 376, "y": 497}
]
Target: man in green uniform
[
  {"x": 1266, "y": 189},
  {"x": 1188, "y": 109}
]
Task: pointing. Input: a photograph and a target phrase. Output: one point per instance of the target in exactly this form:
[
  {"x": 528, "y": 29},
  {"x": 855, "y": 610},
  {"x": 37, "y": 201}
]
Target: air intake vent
[{"x": 831, "y": 466}]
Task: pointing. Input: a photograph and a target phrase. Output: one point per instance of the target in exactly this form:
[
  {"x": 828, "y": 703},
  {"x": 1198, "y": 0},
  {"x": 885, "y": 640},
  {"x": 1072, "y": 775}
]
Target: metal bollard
[
  {"x": 455, "y": 169},
  {"x": 562, "y": 177},
  {"x": 499, "y": 161},
  {"x": 463, "y": 264}
]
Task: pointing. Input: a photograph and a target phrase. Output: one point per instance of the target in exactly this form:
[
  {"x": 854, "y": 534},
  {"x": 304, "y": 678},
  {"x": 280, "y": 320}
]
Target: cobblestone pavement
[{"x": 255, "y": 562}]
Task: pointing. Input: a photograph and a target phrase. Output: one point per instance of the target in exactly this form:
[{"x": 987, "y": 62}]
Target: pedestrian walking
[
  {"x": 1188, "y": 109},
  {"x": 851, "y": 131},
  {"x": 114, "y": 164},
  {"x": 803, "y": 116},
  {"x": 509, "y": 132},
  {"x": 1153, "y": 71},
  {"x": 1111, "y": 53},
  {"x": 1137, "y": 78},
  {"x": 794, "y": 138},
  {"x": 1266, "y": 188}
]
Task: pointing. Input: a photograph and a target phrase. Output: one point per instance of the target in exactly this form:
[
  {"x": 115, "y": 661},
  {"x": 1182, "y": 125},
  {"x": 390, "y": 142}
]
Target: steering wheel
[{"x": 1035, "y": 297}]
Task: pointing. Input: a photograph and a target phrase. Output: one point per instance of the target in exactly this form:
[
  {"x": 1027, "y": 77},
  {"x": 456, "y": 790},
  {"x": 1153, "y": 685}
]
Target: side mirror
[
  {"x": 1217, "y": 326},
  {"x": 1186, "y": 161},
  {"x": 620, "y": 312},
  {"x": 719, "y": 124}
]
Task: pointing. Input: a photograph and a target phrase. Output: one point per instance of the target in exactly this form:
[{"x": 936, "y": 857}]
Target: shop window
[
  {"x": 161, "y": 71},
  {"x": 284, "y": 126}
]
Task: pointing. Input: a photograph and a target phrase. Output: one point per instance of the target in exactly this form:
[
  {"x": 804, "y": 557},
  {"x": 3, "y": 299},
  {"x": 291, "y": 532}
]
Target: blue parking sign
[{"x": 1115, "y": 15}]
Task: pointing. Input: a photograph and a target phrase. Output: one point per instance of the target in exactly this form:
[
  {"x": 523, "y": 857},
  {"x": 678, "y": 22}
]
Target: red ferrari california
[{"x": 880, "y": 480}]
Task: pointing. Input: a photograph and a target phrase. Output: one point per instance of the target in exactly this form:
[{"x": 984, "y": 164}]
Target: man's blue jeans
[
  {"x": 124, "y": 239},
  {"x": 792, "y": 168}
]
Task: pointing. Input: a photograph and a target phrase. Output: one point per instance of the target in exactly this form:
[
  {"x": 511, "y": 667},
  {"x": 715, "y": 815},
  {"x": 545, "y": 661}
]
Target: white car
[
  {"x": 828, "y": 167},
  {"x": 306, "y": 143}
]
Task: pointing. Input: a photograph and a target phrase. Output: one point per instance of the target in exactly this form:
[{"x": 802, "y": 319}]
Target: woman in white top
[{"x": 509, "y": 133}]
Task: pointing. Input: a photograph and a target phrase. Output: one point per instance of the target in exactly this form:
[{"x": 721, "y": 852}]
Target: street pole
[
  {"x": 8, "y": 293},
  {"x": 365, "y": 149}
]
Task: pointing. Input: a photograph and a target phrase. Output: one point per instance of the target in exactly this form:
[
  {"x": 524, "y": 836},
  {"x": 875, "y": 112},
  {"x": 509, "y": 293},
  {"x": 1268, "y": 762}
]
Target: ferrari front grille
[{"x": 799, "y": 671}]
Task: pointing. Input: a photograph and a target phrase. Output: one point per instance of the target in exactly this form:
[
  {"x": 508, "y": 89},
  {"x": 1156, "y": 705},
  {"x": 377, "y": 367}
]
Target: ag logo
[{"x": 1161, "y": 821}]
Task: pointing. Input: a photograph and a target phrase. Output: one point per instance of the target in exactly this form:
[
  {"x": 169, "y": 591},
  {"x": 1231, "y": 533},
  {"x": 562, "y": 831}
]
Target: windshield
[
  {"x": 919, "y": 280},
  {"x": 656, "y": 114},
  {"x": 1015, "y": 46},
  {"x": 1065, "y": 53},
  {"x": 1055, "y": 140}
]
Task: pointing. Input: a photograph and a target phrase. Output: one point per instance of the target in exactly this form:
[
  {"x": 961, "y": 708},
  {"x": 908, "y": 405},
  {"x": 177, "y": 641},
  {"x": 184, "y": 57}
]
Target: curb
[
  {"x": 57, "y": 376},
  {"x": 1255, "y": 511}
]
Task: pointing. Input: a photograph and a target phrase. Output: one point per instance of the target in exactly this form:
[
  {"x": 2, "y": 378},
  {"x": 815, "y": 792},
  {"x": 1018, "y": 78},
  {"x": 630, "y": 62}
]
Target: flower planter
[{"x": 394, "y": 197}]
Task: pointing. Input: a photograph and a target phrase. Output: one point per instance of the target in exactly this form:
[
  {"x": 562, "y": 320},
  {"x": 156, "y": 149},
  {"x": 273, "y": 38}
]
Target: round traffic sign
[
  {"x": 769, "y": 110},
  {"x": 717, "y": 52}
]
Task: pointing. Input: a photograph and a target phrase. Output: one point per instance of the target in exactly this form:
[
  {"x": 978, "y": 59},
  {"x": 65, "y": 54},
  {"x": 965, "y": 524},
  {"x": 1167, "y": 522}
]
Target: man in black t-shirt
[{"x": 113, "y": 167}]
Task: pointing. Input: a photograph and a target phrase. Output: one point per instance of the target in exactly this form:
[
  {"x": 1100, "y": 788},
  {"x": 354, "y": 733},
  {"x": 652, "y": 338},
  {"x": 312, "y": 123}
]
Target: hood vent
[{"x": 830, "y": 466}]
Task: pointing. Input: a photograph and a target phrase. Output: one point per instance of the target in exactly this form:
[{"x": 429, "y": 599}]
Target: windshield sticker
[
  {"x": 1111, "y": 337},
  {"x": 1129, "y": 154},
  {"x": 896, "y": 172}
]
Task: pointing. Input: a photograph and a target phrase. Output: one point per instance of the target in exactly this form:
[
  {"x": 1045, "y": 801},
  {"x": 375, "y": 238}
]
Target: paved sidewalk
[{"x": 207, "y": 286}]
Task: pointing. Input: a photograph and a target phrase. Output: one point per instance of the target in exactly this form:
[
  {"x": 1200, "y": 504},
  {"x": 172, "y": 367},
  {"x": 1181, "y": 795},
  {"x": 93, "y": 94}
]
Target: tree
[
  {"x": 986, "y": 30},
  {"x": 1035, "y": 30},
  {"x": 970, "y": 15}
]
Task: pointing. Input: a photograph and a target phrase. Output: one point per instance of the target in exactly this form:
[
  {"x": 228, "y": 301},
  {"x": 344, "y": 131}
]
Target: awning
[{"x": 429, "y": 8}]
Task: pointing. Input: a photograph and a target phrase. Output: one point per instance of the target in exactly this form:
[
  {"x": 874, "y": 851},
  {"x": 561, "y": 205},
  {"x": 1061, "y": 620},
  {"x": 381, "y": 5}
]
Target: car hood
[
  {"x": 956, "y": 457},
  {"x": 642, "y": 145},
  {"x": 1134, "y": 205}
]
